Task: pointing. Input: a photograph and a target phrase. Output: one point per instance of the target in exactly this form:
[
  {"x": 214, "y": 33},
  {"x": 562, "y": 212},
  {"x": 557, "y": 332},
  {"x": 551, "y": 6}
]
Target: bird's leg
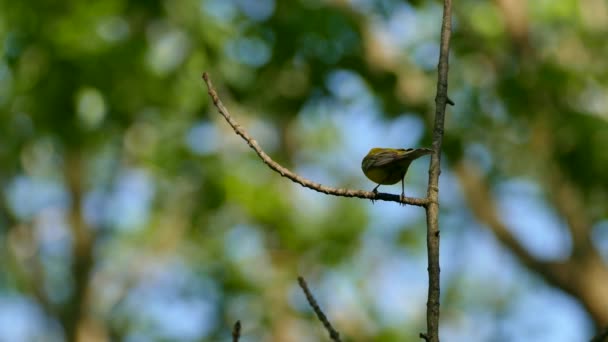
[
  {"x": 375, "y": 191},
  {"x": 402, "y": 198}
]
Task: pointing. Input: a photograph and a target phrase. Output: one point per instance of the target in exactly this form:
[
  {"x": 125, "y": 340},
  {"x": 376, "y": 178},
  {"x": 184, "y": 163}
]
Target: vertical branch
[
  {"x": 82, "y": 249},
  {"x": 432, "y": 209}
]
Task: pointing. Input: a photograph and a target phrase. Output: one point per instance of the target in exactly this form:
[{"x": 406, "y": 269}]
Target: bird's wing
[{"x": 385, "y": 157}]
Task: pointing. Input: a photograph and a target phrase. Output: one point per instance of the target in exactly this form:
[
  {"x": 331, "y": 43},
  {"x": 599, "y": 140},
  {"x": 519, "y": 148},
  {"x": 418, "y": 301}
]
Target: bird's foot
[{"x": 375, "y": 191}]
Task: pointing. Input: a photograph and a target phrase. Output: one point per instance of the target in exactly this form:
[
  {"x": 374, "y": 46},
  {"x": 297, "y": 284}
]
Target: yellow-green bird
[{"x": 387, "y": 166}]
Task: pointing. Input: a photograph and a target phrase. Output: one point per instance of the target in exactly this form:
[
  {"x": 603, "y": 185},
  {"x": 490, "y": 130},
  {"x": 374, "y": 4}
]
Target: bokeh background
[{"x": 131, "y": 212}]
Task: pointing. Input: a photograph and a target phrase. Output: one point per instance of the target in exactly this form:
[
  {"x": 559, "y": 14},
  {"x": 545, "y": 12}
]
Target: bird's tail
[{"x": 416, "y": 153}]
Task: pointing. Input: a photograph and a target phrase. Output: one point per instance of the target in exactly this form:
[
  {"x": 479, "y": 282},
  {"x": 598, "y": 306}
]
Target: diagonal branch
[
  {"x": 421, "y": 202},
  {"x": 236, "y": 331},
  {"x": 477, "y": 193},
  {"x": 584, "y": 276},
  {"x": 333, "y": 334}
]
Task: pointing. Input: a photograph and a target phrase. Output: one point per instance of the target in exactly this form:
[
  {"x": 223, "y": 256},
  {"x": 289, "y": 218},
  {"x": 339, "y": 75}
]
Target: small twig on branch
[
  {"x": 236, "y": 331},
  {"x": 333, "y": 334},
  {"x": 421, "y": 202}
]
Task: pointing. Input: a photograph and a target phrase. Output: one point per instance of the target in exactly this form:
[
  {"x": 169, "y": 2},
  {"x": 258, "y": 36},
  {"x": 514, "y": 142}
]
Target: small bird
[{"x": 387, "y": 166}]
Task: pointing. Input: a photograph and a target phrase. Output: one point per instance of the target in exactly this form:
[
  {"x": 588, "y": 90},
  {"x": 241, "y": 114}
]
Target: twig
[
  {"x": 432, "y": 209},
  {"x": 333, "y": 334},
  {"x": 421, "y": 202},
  {"x": 236, "y": 331}
]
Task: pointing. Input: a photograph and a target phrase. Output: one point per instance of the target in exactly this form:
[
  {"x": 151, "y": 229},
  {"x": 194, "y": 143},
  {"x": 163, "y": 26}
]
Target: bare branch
[
  {"x": 482, "y": 203},
  {"x": 432, "y": 209},
  {"x": 421, "y": 202},
  {"x": 333, "y": 334},
  {"x": 236, "y": 331},
  {"x": 584, "y": 277},
  {"x": 477, "y": 192}
]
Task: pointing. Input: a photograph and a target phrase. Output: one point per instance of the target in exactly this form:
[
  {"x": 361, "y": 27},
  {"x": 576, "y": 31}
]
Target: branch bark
[
  {"x": 283, "y": 171},
  {"x": 236, "y": 331},
  {"x": 432, "y": 209},
  {"x": 333, "y": 333}
]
